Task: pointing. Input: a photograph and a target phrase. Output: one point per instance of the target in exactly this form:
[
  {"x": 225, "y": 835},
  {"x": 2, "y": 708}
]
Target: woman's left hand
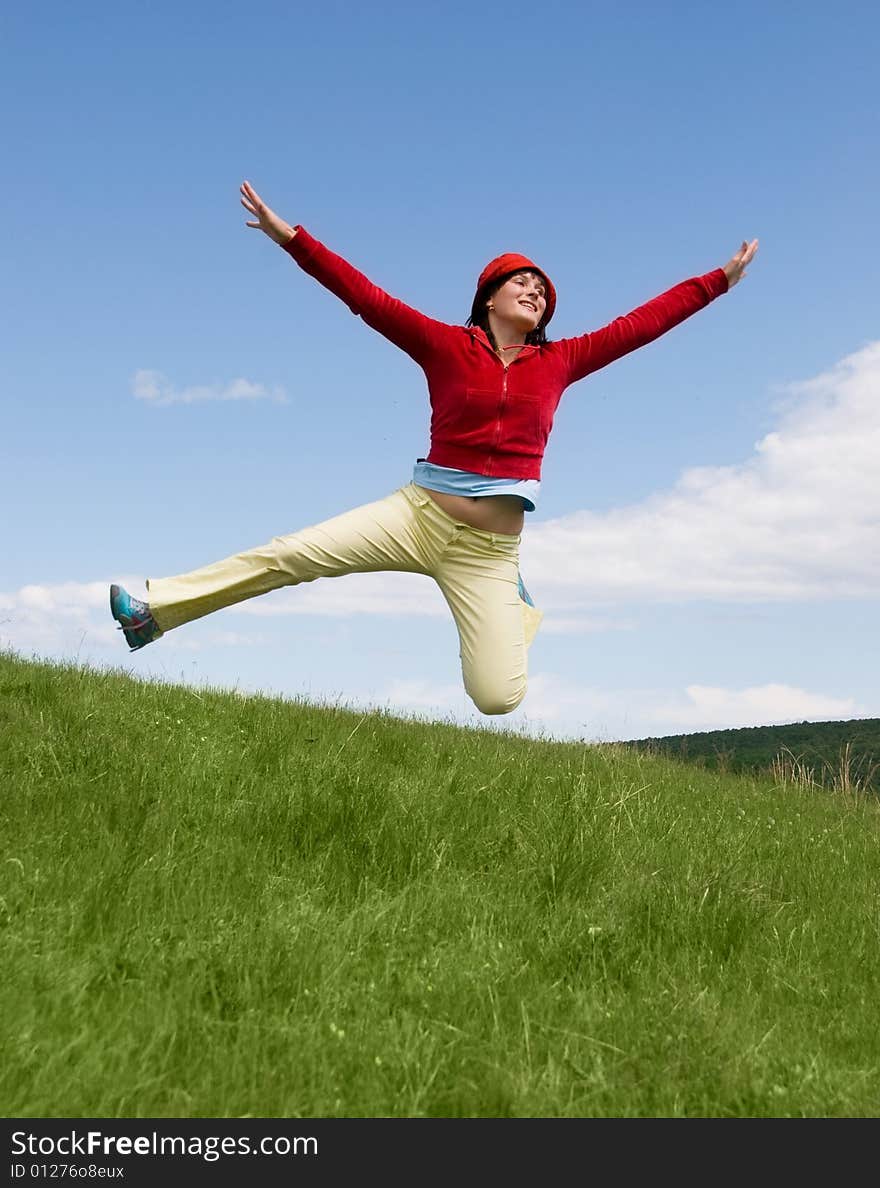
[{"x": 736, "y": 267}]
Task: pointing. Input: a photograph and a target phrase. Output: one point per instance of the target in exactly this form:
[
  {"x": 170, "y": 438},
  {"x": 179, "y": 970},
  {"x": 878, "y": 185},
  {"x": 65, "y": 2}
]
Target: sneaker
[{"x": 134, "y": 618}]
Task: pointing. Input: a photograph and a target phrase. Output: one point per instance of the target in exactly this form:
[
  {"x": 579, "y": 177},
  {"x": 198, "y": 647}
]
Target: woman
[{"x": 494, "y": 384}]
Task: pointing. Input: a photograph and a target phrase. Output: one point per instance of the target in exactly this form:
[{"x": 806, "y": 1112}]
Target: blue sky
[{"x": 707, "y": 546}]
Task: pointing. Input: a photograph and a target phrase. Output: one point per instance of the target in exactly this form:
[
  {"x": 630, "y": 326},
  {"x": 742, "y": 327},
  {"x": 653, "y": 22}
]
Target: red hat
[{"x": 514, "y": 262}]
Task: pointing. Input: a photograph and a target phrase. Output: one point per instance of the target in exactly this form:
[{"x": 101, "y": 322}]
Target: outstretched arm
[
  {"x": 412, "y": 331},
  {"x": 590, "y": 352}
]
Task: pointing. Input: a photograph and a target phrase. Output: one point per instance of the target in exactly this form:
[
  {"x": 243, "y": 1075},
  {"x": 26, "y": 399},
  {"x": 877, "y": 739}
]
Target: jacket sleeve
[
  {"x": 597, "y": 349},
  {"x": 408, "y": 329}
]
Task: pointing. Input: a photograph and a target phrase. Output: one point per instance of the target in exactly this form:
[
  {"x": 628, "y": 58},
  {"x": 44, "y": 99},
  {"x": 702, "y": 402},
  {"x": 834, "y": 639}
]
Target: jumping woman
[{"x": 494, "y": 386}]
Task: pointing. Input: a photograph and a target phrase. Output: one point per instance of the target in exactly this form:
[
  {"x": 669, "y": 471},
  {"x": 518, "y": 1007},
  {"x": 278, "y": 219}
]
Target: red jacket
[{"x": 486, "y": 417}]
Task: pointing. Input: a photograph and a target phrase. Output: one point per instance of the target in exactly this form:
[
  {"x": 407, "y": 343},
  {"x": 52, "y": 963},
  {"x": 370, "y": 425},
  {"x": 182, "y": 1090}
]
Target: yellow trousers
[{"x": 477, "y": 571}]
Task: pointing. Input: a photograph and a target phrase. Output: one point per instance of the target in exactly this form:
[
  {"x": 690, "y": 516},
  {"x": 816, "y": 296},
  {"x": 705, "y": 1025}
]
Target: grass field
[{"x": 222, "y": 906}]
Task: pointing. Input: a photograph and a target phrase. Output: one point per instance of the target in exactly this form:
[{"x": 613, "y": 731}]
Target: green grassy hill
[
  {"x": 828, "y": 754},
  {"x": 218, "y": 906}
]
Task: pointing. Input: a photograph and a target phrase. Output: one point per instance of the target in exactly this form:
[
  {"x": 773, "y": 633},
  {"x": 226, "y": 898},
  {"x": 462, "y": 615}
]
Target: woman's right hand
[
  {"x": 267, "y": 219},
  {"x": 735, "y": 268}
]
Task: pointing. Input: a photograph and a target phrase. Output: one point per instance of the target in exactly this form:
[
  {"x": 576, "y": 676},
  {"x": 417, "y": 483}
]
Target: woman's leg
[
  {"x": 479, "y": 577},
  {"x": 377, "y": 536}
]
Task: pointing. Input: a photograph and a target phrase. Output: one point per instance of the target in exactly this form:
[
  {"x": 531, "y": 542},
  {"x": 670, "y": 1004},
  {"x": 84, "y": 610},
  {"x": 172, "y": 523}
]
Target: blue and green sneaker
[{"x": 134, "y": 618}]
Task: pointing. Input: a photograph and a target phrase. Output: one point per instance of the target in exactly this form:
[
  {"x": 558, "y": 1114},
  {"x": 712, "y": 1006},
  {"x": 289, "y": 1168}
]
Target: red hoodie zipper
[
  {"x": 500, "y": 413},
  {"x": 506, "y": 367}
]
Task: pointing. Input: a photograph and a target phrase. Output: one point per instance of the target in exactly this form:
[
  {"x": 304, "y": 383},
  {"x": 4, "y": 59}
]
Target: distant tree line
[{"x": 820, "y": 746}]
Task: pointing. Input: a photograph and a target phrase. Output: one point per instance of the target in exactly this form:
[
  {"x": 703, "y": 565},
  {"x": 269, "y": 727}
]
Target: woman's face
[{"x": 521, "y": 300}]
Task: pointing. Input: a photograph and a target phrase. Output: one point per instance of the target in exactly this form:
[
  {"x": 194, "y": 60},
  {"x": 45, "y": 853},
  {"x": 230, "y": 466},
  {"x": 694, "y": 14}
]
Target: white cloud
[
  {"x": 425, "y": 695},
  {"x": 395, "y": 594},
  {"x": 579, "y": 711},
  {"x": 553, "y": 624},
  {"x": 207, "y": 641},
  {"x": 66, "y": 598},
  {"x": 156, "y": 389},
  {"x": 800, "y": 519},
  {"x": 706, "y": 707},
  {"x": 48, "y": 618},
  {"x": 556, "y": 699}
]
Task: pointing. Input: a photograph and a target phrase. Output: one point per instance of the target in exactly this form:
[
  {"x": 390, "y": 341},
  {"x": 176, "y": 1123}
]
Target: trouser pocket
[
  {"x": 531, "y": 621},
  {"x": 531, "y": 615}
]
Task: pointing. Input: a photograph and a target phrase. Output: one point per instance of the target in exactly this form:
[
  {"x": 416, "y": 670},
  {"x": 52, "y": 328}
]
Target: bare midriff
[{"x": 492, "y": 513}]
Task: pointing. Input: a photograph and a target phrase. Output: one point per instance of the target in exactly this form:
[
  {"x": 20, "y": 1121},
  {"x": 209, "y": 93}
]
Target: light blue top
[{"x": 462, "y": 482}]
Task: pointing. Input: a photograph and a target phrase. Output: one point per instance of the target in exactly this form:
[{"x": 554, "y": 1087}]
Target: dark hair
[{"x": 480, "y": 315}]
